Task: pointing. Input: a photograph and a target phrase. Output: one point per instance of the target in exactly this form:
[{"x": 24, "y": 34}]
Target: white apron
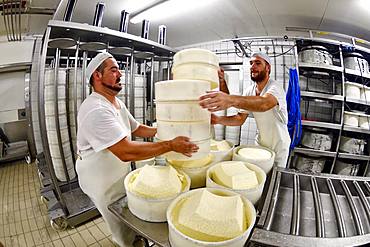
[
  {"x": 101, "y": 177},
  {"x": 273, "y": 134}
]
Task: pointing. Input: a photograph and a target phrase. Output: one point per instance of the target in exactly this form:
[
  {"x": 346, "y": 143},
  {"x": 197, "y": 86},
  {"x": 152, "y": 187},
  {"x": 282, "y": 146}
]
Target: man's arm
[
  {"x": 222, "y": 82},
  {"x": 144, "y": 131},
  {"x": 216, "y": 101},
  {"x": 236, "y": 120},
  {"x": 127, "y": 150}
]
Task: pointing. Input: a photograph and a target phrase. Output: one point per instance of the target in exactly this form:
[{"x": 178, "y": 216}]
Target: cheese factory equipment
[
  {"x": 356, "y": 61},
  {"x": 302, "y": 209},
  {"x": 63, "y": 56},
  {"x": 315, "y": 54}
]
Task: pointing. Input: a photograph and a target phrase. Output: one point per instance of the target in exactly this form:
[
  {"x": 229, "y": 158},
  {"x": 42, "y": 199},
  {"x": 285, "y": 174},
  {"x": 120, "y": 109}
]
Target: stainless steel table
[{"x": 155, "y": 232}]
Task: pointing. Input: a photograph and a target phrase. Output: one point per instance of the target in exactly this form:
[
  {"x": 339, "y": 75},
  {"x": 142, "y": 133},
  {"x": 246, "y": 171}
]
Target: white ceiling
[{"x": 223, "y": 19}]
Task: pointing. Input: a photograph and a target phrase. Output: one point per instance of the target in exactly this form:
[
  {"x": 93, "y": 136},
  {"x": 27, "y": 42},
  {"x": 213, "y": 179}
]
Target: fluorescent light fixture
[
  {"x": 365, "y": 4},
  {"x": 169, "y": 8}
]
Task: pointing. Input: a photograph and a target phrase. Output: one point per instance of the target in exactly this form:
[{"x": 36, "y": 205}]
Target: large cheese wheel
[
  {"x": 195, "y": 55},
  {"x": 180, "y": 89},
  {"x": 156, "y": 182},
  {"x": 211, "y": 217},
  {"x": 196, "y": 131},
  {"x": 197, "y": 71},
  {"x": 181, "y": 111}
]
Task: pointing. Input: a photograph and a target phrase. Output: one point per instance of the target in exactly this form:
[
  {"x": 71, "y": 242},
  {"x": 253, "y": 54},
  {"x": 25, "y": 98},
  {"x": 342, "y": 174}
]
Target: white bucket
[
  {"x": 253, "y": 194},
  {"x": 178, "y": 239},
  {"x": 197, "y": 174},
  {"x": 264, "y": 163},
  {"x": 224, "y": 155},
  {"x": 148, "y": 209}
]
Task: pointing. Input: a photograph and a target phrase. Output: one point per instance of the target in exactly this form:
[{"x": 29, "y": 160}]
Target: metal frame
[{"x": 62, "y": 194}]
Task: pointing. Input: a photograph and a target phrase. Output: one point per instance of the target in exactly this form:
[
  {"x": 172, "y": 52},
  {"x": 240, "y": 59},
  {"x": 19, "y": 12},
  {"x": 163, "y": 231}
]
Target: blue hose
[{"x": 293, "y": 98}]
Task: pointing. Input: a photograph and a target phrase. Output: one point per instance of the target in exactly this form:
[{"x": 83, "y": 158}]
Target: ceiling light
[{"x": 169, "y": 8}]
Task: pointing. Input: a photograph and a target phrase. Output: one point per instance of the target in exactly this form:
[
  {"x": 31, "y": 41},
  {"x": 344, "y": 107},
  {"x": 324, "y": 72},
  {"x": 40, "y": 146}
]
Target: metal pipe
[
  {"x": 352, "y": 206},
  {"x": 367, "y": 186},
  {"x": 84, "y": 65},
  {"x": 274, "y": 198},
  {"x": 144, "y": 90},
  {"x": 319, "y": 215},
  {"x": 152, "y": 92},
  {"x": 363, "y": 199},
  {"x": 132, "y": 84},
  {"x": 294, "y": 225},
  {"x": 56, "y": 114},
  {"x": 168, "y": 69},
  {"x": 337, "y": 209},
  {"x": 126, "y": 82},
  {"x": 42, "y": 122},
  {"x": 75, "y": 85}
]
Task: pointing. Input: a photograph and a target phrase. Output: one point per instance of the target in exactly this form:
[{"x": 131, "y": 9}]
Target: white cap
[
  {"x": 262, "y": 55},
  {"x": 95, "y": 63}
]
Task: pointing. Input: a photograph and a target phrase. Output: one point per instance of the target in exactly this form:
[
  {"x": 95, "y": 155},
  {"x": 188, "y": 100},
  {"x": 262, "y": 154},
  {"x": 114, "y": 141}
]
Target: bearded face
[{"x": 259, "y": 69}]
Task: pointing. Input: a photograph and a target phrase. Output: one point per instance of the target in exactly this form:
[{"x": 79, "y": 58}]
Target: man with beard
[
  {"x": 265, "y": 99},
  {"x": 104, "y": 143}
]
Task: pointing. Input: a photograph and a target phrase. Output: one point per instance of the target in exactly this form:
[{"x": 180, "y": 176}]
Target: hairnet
[
  {"x": 262, "y": 55},
  {"x": 96, "y": 62}
]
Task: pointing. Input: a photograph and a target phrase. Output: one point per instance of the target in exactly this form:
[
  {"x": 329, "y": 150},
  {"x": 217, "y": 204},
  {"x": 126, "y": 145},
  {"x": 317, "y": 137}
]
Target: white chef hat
[
  {"x": 96, "y": 62},
  {"x": 262, "y": 55}
]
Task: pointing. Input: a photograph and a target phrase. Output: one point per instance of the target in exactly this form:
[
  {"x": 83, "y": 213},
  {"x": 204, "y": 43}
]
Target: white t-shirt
[
  {"x": 101, "y": 125},
  {"x": 276, "y": 89}
]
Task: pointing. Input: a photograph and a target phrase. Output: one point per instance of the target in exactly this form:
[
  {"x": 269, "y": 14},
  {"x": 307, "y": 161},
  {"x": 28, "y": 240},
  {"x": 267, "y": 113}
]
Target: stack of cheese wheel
[
  {"x": 257, "y": 155},
  {"x": 222, "y": 150},
  {"x": 195, "y": 169},
  {"x": 177, "y": 108},
  {"x": 151, "y": 189},
  {"x": 210, "y": 217},
  {"x": 242, "y": 177},
  {"x": 50, "y": 119},
  {"x": 197, "y": 64}
]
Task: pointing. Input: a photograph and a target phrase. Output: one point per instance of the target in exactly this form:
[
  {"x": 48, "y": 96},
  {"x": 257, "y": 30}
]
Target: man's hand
[
  {"x": 182, "y": 144},
  {"x": 215, "y": 101},
  {"x": 215, "y": 119}
]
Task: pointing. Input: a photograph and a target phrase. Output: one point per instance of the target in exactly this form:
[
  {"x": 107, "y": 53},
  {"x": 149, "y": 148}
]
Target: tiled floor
[{"x": 24, "y": 219}]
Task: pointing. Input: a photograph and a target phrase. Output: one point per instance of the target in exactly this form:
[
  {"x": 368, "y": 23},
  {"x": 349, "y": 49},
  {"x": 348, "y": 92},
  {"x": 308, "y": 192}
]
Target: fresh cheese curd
[
  {"x": 255, "y": 153},
  {"x": 235, "y": 175},
  {"x": 220, "y": 145},
  {"x": 211, "y": 217},
  {"x": 156, "y": 182}
]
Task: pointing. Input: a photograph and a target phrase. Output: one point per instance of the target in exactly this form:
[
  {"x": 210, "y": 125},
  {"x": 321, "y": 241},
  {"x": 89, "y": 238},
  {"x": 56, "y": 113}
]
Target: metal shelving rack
[
  {"x": 67, "y": 204},
  {"x": 339, "y": 74}
]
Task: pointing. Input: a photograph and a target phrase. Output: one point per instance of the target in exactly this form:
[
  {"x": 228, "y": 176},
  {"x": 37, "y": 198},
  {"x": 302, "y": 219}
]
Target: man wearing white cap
[
  {"x": 265, "y": 99},
  {"x": 104, "y": 143}
]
